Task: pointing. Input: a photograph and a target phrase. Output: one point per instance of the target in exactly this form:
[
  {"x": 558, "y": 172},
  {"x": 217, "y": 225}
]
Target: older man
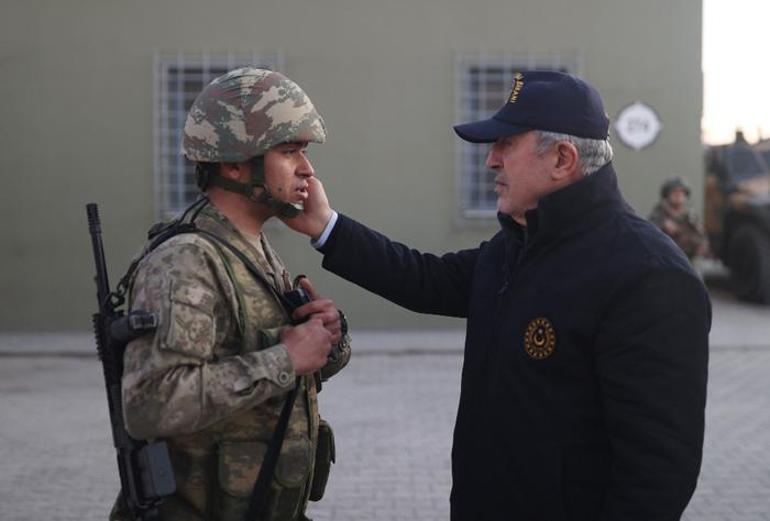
[{"x": 584, "y": 380}]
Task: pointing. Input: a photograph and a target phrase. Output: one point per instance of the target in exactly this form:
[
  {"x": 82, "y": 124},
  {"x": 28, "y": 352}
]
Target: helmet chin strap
[{"x": 283, "y": 209}]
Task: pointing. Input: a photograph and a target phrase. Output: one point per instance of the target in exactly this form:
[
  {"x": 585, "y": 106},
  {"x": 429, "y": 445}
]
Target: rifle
[{"x": 146, "y": 475}]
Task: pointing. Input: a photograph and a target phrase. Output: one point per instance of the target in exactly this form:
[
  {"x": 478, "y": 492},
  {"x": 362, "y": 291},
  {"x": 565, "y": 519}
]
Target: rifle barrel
[{"x": 95, "y": 229}]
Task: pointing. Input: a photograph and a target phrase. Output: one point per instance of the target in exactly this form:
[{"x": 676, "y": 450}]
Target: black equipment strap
[
  {"x": 253, "y": 270},
  {"x": 257, "y": 500}
]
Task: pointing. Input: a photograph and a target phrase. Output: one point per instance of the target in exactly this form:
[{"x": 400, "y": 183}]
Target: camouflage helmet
[
  {"x": 672, "y": 184},
  {"x": 244, "y": 113}
]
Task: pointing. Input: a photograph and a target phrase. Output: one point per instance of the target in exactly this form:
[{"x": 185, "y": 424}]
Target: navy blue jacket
[{"x": 584, "y": 379}]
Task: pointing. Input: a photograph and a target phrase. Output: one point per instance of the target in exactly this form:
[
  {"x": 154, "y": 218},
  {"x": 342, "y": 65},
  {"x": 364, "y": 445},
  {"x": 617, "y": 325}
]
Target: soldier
[
  {"x": 213, "y": 378},
  {"x": 671, "y": 216}
]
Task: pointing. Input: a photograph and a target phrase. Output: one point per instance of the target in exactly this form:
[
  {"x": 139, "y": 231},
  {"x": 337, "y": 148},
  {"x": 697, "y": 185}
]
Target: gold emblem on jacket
[{"x": 540, "y": 338}]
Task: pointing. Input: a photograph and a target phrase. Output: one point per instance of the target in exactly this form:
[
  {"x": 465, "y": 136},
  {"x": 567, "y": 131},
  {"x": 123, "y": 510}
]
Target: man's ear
[
  {"x": 231, "y": 171},
  {"x": 567, "y": 160}
]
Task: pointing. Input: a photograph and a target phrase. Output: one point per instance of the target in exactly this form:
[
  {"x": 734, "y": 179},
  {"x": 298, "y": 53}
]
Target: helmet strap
[
  {"x": 257, "y": 180},
  {"x": 284, "y": 209}
]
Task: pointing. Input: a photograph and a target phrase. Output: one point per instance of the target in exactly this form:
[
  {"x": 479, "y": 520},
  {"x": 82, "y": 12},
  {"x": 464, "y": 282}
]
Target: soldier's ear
[{"x": 232, "y": 171}]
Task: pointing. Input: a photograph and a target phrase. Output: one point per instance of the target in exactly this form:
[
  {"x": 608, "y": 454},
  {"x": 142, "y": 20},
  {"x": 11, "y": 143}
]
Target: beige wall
[{"x": 77, "y": 87}]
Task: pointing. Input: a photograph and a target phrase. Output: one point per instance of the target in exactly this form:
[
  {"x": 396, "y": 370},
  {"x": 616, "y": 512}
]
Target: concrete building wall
[{"x": 77, "y": 108}]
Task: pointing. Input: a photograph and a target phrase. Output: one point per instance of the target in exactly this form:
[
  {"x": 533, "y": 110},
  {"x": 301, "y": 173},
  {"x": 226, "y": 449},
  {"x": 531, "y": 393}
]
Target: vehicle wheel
[{"x": 750, "y": 264}]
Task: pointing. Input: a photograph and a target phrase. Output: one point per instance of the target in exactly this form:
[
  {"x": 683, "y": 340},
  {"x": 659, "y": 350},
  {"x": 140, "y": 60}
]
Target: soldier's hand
[
  {"x": 670, "y": 227},
  {"x": 308, "y": 344},
  {"x": 321, "y": 308},
  {"x": 316, "y": 213}
]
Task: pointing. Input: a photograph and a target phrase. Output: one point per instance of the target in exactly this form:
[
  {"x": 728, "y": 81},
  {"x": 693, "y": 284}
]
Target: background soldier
[
  {"x": 213, "y": 378},
  {"x": 672, "y": 216}
]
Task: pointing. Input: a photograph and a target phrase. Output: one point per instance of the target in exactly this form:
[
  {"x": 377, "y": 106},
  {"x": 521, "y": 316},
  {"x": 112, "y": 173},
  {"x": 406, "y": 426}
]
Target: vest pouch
[
  {"x": 293, "y": 466},
  {"x": 290, "y": 480},
  {"x": 324, "y": 457},
  {"x": 239, "y": 464}
]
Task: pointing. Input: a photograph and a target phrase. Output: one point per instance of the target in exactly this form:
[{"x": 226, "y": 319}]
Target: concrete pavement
[{"x": 393, "y": 410}]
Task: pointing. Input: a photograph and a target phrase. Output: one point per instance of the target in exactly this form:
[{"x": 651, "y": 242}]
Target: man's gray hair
[{"x": 593, "y": 153}]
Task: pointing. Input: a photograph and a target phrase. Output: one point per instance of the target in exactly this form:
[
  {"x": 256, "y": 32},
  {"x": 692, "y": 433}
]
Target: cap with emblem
[{"x": 543, "y": 100}]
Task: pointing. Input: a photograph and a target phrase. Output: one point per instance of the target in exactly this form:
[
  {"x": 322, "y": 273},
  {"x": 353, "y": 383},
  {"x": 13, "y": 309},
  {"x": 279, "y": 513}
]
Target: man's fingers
[
  {"x": 305, "y": 283},
  {"x": 316, "y": 322},
  {"x": 313, "y": 307},
  {"x": 316, "y": 187},
  {"x": 328, "y": 319}
]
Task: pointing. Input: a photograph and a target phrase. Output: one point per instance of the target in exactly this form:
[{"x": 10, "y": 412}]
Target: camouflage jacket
[
  {"x": 689, "y": 235},
  {"x": 213, "y": 378}
]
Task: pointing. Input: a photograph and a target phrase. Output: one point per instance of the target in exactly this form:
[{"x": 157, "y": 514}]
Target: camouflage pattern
[
  {"x": 213, "y": 378},
  {"x": 688, "y": 234},
  {"x": 244, "y": 113}
]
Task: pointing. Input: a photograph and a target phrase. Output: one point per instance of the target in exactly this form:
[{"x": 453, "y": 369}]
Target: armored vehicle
[{"x": 737, "y": 214}]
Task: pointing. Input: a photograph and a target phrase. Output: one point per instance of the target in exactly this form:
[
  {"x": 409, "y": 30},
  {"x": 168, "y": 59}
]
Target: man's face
[
  {"x": 521, "y": 175},
  {"x": 287, "y": 170},
  {"x": 677, "y": 197}
]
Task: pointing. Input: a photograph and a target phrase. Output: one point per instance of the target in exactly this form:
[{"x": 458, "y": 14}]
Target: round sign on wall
[{"x": 638, "y": 125}]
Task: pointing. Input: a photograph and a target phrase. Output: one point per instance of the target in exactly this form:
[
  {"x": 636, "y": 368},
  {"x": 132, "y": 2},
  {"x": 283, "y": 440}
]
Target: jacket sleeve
[
  {"x": 339, "y": 358},
  {"x": 652, "y": 358},
  {"x": 173, "y": 382},
  {"x": 420, "y": 282}
]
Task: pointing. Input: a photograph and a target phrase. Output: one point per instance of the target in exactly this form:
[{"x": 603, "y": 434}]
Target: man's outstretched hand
[{"x": 316, "y": 213}]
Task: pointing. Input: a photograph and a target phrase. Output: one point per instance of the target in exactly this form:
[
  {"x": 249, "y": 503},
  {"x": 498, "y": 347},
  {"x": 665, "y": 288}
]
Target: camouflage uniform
[
  {"x": 689, "y": 236},
  {"x": 213, "y": 378}
]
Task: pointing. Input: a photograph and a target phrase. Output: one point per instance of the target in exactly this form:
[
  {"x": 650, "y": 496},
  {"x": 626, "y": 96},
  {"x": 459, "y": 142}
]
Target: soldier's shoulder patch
[{"x": 540, "y": 338}]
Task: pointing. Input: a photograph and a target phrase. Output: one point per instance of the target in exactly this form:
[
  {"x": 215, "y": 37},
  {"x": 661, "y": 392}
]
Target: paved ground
[{"x": 393, "y": 411}]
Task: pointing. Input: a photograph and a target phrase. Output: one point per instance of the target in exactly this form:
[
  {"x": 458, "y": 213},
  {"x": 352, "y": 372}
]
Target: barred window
[
  {"x": 178, "y": 80},
  {"x": 483, "y": 82}
]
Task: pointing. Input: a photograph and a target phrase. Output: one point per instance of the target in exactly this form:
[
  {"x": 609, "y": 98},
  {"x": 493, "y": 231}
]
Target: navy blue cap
[{"x": 543, "y": 100}]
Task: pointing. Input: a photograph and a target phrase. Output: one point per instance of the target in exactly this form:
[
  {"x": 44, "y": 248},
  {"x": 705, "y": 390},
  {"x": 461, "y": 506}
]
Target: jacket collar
[
  {"x": 214, "y": 221},
  {"x": 211, "y": 219},
  {"x": 574, "y": 208}
]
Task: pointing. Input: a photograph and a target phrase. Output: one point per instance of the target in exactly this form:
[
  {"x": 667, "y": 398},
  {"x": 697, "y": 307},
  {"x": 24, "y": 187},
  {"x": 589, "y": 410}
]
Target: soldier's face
[
  {"x": 521, "y": 174},
  {"x": 287, "y": 169},
  {"x": 677, "y": 197}
]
